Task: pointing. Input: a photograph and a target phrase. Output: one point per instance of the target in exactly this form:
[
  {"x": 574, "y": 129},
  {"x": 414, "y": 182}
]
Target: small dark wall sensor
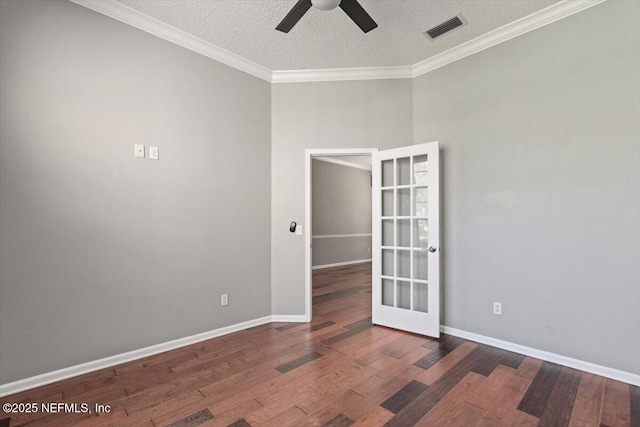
[{"x": 292, "y": 226}]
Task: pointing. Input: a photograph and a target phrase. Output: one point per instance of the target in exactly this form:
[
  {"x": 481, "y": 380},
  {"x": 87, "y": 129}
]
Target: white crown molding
[
  {"x": 604, "y": 371},
  {"x": 343, "y": 163},
  {"x": 531, "y": 22},
  {"x": 342, "y": 74},
  {"x": 148, "y": 24}
]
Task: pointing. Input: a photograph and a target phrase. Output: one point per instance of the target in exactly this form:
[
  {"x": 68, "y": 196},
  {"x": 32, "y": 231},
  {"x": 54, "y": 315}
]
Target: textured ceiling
[{"x": 329, "y": 39}]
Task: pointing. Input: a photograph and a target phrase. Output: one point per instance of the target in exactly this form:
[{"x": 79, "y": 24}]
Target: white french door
[{"x": 406, "y": 239}]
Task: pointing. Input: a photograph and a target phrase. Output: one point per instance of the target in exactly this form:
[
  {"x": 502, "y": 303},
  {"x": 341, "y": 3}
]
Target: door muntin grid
[{"x": 404, "y": 230}]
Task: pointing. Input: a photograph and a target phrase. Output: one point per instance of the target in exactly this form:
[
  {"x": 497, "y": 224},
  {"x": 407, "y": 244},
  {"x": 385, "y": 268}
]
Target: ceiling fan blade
[
  {"x": 353, "y": 9},
  {"x": 294, "y": 15}
]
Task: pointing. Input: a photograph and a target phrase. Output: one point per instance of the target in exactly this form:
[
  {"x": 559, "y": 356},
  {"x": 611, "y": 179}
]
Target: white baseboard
[
  {"x": 73, "y": 371},
  {"x": 287, "y": 318},
  {"x": 615, "y": 374},
  {"x": 84, "y": 368},
  {"x": 338, "y": 264}
]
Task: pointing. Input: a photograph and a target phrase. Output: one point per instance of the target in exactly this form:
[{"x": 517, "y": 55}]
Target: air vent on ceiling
[{"x": 445, "y": 27}]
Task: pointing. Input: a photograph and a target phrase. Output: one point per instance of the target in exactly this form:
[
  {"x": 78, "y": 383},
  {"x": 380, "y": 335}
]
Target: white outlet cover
[
  {"x": 299, "y": 230},
  {"x": 138, "y": 150},
  {"x": 497, "y": 308},
  {"x": 154, "y": 153}
]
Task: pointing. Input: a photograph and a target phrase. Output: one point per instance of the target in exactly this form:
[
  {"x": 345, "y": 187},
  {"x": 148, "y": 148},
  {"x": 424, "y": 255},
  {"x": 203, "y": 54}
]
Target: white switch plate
[
  {"x": 154, "y": 153},
  {"x": 138, "y": 150},
  {"x": 299, "y": 230},
  {"x": 224, "y": 299}
]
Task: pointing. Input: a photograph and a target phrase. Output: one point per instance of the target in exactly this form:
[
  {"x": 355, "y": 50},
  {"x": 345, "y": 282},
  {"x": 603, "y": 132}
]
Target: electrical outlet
[
  {"x": 224, "y": 299},
  {"x": 497, "y": 308}
]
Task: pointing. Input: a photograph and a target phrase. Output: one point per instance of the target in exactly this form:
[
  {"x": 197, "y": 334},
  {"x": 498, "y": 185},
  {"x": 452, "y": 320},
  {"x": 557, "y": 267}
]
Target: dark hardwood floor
[{"x": 339, "y": 370}]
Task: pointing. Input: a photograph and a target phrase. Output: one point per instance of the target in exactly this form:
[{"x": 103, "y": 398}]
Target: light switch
[
  {"x": 138, "y": 150},
  {"x": 154, "y": 153},
  {"x": 299, "y": 230}
]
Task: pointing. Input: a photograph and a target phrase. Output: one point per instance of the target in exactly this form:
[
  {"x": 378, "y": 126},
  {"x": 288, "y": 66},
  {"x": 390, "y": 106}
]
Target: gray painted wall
[
  {"x": 540, "y": 142},
  {"x": 349, "y": 114},
  {"x": 341, "y": 204},
  {"x": 100, "y": 252}
]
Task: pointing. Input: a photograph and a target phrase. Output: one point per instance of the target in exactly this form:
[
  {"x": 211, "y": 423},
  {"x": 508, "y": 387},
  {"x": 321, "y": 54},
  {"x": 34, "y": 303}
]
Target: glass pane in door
[
  {"x": 387, "y": 292},
  {"x": 420, "y": 201},
  {"x": 404, "y": 202},
  {"x": 420, "y": 176},
  {"x": 404, "y": 233},
  {"x": 420, "y": 235},
  {"x": 387, "y": 262},
  {"x": 387, "y": 173},
  {"x": 387, "y": 203},
  {"x": 404, "y": 295},
  {"x": 404, "y": 171},
  {"x": 387, "y": 232},
  {"x": 420, "y": 265},
  {"x": 404, "y": 264},
  {"x": 421, "y": 297}
]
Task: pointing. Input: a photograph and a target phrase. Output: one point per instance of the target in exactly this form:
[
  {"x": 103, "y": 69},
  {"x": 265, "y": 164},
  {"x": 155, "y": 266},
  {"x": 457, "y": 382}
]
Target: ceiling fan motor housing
[{"x": 325, "y": 4}]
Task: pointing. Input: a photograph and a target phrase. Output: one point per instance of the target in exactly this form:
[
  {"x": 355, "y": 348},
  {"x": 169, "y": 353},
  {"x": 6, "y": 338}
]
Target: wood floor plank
[
  {"x": 339, "y": 420},
  {"x": 443, "y": 410},
  {"x": 290, "y": 417},
  {"x": 503, "y": 412},
  {"x": 634, "y": 394},
  {"x": 373, "y": 418},
  {"x": 529, "y": 368},
  {"x": 557, "y": 412},
  {"x": 445, "y": 346},
  {"x": 489, "y": 389},
  {"x": 443, "y": 366},
  {"x": 422, "y": 404},
  {"x": 330, "y": 408},
  {"x": 289, "y": 366},
  {"x": 403, "y": 397},
  {"x": 465, "y": 414},
  {"x": 512, "y": 360},
  {"x": 374, "y": 391},
  {"x": 289, "y": 326},
  {"x": 365, "y": 355},
  {"x": 588, "y": 403},
  {"x": 193, "y": 420},
  {"x": 338, "y": 369},
  {"x": 616, "y": 404},
  {"x": 226, "y": 413},
  {"x": 536, "y": 398},
  {"x": 491, "y": 361},
  {"x": 408, "y": 343},
  {"x": 320, "y": 326}
]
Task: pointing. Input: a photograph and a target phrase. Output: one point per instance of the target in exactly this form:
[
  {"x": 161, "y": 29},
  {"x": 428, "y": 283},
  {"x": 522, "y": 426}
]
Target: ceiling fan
[{"x": 351, "y": 7}]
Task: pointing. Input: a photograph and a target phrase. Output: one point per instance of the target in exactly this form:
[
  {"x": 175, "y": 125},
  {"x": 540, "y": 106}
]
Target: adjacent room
[{"x": 320, "y": 213}]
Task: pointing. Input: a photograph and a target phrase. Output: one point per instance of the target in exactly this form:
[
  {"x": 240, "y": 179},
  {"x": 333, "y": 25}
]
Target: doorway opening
[{"x": 338, "y": 232}]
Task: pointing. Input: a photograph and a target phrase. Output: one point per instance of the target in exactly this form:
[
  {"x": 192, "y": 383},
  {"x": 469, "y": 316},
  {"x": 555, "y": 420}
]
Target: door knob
[{"x": 432, "y": 249}]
